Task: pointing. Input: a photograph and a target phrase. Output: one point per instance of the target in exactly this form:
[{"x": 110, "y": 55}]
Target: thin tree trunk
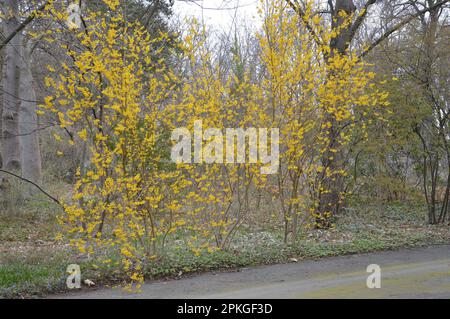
[
  {"x": 446, "y": 201},
  {"x": 430, "y": 37}
]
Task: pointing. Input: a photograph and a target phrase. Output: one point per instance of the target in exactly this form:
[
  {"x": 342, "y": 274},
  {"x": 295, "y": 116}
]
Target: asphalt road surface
[{"x": 409, "y": 273}]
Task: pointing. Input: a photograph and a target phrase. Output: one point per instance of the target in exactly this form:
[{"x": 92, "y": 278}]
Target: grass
[
  {"x": 33, "y": 265},
  {"x": 21, "y": 280}
]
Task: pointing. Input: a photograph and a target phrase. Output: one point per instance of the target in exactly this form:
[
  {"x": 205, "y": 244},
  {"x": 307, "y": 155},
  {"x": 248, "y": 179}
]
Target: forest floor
[{"x": 33, "y": 264}]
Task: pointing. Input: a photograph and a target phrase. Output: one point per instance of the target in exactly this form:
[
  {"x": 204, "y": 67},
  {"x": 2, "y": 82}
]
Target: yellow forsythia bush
[{"x": 119, "y": 99}]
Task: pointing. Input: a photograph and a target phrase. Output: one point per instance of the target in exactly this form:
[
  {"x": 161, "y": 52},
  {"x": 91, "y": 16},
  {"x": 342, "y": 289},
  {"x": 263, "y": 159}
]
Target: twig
[
  {"x": 400, "y": 25},
  {"x": 22, "y": 25},
  {"x": 34, "y": 184}
]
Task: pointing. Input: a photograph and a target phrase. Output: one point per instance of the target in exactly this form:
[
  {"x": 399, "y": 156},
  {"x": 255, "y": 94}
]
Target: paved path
[{"x": 415, "y": 273}]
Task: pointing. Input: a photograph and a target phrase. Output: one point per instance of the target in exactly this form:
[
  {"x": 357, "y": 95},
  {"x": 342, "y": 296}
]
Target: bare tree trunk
[
  {"x": 330, "y": 199},
  {"x": 28, "y": 126},
  {"x": 430, "y": 37},
  {"x": 11, "y": 104}
]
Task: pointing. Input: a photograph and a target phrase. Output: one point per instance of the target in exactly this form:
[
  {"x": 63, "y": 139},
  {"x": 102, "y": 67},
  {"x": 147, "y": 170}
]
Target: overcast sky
[{"x": 219, "y": 13}]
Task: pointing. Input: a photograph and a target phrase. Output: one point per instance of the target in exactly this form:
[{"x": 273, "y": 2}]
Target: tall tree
[
  {"x": 11, "y": 78},
  {"x": 434, "y": 129},
  {"x": 30, "y": 150},
  {"x": 330, "y": 199}
]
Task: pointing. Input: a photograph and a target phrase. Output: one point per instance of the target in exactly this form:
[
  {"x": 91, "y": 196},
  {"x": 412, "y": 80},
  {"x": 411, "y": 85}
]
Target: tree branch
[
  {"x": 400, "y": 25},
  {"x": 305, "y": 21},
  {"x": 359, "y": 20},
  {"x": 330, "y": 4},
  {"x": 22, "y": 25},
  {"x": 34, "y": 184}
]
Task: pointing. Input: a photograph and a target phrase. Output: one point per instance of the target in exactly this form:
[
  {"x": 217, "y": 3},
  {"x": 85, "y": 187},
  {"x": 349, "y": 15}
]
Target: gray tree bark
[
  {"x": 28, "y": 123},
  {"x": 330, "y": 200},
  {"x": 9, "y": 134},
  {"x": 11, "y": 104}
]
